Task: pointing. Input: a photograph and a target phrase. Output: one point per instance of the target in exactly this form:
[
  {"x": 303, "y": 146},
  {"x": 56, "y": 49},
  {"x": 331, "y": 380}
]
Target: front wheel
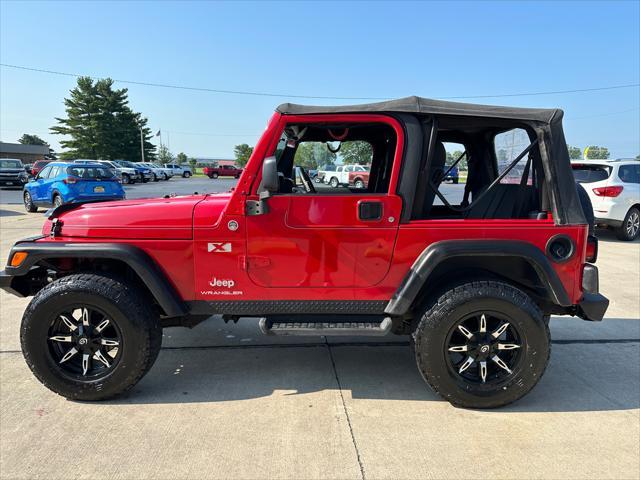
[
  {"x": 630, "y": 228},
  {"x": 90, "y": 337},
  {"x": 155, "y": 178},
  {"x": 126, "y": 180},
  {"x": 482, "y": 345}
]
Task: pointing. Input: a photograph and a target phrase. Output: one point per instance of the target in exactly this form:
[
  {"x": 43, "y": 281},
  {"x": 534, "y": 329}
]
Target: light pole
[{"x": 141, "y": 142}]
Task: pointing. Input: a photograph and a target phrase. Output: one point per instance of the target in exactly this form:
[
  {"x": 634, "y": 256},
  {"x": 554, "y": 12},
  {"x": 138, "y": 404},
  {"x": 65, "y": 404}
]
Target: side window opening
[
  {"x": 507, "y": 146},
  {"x": 335, "y": 159},
  {"x": 499, "y": 173}
]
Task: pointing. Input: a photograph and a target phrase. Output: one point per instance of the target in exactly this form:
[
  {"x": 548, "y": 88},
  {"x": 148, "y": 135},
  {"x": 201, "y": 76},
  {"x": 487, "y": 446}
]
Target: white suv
[{"x": 614, "y": 189}]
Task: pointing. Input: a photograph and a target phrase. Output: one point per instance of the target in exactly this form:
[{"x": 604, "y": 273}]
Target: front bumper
[{"x": 15, "y": 182}]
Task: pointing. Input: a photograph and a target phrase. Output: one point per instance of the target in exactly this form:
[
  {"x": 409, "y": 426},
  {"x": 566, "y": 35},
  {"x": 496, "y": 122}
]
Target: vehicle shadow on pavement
[
  {"x": 10, "y": 213},
  {"x": 580, "y": 377},
  {"x": 606, "y": 235}
]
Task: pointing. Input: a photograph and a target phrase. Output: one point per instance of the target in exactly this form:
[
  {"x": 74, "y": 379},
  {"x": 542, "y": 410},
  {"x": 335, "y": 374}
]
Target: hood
[
  {"x": 153, "y": 218},
  {"x": 12, "y": 170}
]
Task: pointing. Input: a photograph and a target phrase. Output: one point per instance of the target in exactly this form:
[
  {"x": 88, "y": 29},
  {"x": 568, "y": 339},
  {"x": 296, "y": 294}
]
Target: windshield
[
  {"x": 590, "y": 173},
  {"x": 91, "y": 173},
  {"x": 10, "y": 164}
]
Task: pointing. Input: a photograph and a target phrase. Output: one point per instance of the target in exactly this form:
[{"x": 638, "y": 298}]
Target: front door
[
  {"x": 327, "y": 241},
  {"x": 317, "y": 235}
]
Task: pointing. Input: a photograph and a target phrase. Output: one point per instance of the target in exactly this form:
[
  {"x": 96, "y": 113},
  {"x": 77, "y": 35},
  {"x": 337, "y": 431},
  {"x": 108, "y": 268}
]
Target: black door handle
[{"x": 369, "y": 211}]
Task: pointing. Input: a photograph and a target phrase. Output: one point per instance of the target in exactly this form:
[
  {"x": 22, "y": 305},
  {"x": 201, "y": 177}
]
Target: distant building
[
  {"x": 215, "y": 162},
  {"x": 26, "y": 153}
]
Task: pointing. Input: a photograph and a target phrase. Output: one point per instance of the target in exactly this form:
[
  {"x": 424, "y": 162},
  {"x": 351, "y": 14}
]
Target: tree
[
  {"x": 30, "y": 139},
  {"x": 164, "y": 155},
  {"x": 356, "y": 152},
  {"x": 242, "y": 153},
  {"x": 452, "y": 157},
  {"x": 101, "y": 125},
  {"x": 312, "y": 155},
  {"x": 181, "y": 158},
  {"x": 574, "y": 152},
  {"x": 193, "y": 163},
  {"x": 596, "y": 152}
]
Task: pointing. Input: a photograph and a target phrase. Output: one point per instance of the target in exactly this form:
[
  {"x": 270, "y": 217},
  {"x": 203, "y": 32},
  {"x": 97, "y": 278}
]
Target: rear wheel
[
  {"x": 359, "y": 184},
  {"x": 214, "y": 175},
  {"x": 29, "y": 206},
  {"x": 482, "y": 345},
  {"x": 89, "y": 337},
  {"x": 126, "y": 179},
  {"x": 333, "y": 182},
  {"x": 57, "y": 200},
  {"x": 155, "y": 178},
  {"x": 186, "y": 174},
  {"x": 630, "y": 228}
]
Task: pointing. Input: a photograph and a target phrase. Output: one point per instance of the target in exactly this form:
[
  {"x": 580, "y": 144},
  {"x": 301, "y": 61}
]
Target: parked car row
[{"x": 57, "y": 182}]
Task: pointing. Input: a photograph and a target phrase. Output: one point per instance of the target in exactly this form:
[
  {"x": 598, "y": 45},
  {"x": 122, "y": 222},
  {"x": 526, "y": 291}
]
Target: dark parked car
[
  {"x": 12, "y": 173},
  {"x": 452, "y": 175}
]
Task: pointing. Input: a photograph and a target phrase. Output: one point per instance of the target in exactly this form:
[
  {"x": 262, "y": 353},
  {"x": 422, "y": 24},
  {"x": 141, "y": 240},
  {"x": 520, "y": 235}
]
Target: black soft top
[
  {"x": 547, "y": 123},
  {"x": 429, "y": 106}
]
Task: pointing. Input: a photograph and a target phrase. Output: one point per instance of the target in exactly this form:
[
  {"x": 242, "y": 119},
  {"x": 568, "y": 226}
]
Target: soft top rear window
[{"x": 590, "y": 173}]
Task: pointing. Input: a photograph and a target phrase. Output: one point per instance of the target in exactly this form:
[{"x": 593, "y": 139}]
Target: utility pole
[{"x": 141, "y": 142}]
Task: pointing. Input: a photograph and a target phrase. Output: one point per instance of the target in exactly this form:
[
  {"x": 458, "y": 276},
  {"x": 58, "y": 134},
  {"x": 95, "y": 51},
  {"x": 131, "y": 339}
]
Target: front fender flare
[
  {"x": 438, "y": 252},
  {"x": 138, "y": 260}
]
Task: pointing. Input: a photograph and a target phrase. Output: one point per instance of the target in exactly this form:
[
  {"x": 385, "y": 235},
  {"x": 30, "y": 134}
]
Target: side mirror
[
  {"x": 268, "y": 185},
  {"x": 270, "y": 181}
]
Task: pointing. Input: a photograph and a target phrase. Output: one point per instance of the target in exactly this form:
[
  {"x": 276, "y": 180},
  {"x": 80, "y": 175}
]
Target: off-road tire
[
  {"x": 440, "y": 318},
  {"x": 124, "y": 303},
  {"x": 29, "y": 206},
  {"x": 629, "y": 230}
]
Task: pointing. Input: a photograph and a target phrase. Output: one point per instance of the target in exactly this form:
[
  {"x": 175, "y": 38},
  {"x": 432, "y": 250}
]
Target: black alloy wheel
[
  {"x": 484, "y": 348},
  {"x": 84, "y": 343}
]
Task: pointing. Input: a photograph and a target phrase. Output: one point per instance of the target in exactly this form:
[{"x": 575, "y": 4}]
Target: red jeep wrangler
[
  {"x": 222, "y": 171},
  {"x": 472, "y": 275}
]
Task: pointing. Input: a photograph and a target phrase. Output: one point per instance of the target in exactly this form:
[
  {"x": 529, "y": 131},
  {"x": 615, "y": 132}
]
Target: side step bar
[{"x": 368, "y": 329}]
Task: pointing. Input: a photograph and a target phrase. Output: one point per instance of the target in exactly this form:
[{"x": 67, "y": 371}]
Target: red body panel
[{"x": 306, "y": 247}]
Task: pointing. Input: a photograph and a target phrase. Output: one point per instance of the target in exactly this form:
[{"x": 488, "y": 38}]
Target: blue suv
[{"x": 61, "y": 182}]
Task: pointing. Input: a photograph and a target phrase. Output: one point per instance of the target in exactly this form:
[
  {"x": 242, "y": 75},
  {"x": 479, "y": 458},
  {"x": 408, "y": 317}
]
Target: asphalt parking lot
[{"x": 222, "y": 401}]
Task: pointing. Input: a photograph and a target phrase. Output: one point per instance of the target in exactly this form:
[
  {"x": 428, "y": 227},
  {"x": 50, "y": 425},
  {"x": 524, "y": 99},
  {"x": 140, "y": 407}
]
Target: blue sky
[{"x": 359, "y": 49}]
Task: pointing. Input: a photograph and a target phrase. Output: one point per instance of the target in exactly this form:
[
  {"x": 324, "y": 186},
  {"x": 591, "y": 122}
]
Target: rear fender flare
[
  {"x": 138, "y": 260},
  {"x": 439, "y": 252}
]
